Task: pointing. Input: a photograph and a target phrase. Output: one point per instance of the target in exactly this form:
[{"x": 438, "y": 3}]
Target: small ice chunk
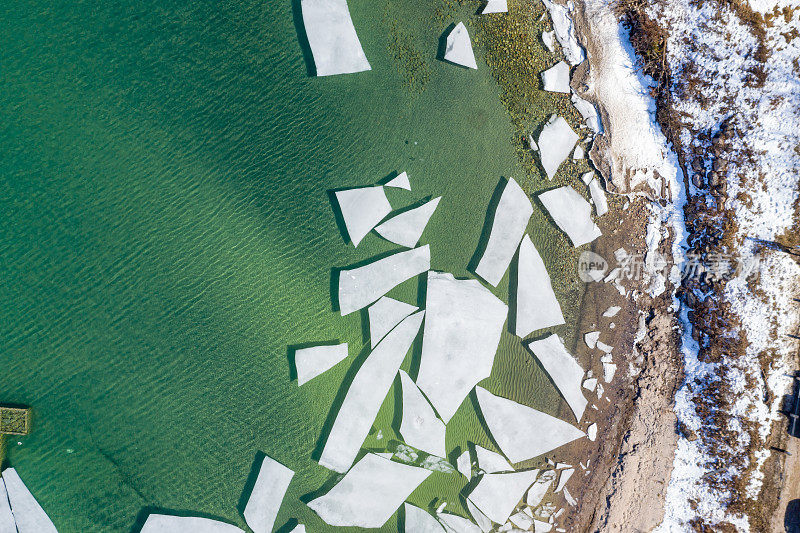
[
  {"x": 565, "y": 32},
  {"x": 606, "y": 358},
  {"x": 369, "y": 494},
  {"x": 28, "y": 514},
  {"x": 521, "y": 431},
  {"x": 590, "y": 384},
  {"x": 420, "y": 521},
  {"x": 480, "y": 519},
  {"x": 572, "y": 214},
  {"x": 597, "y": 193},
  {"x": 365, "y": 395},
  {"x": 462, "y": 331},
  {"x": 560, "y": 466},
  {"x": 540, "y": 487},
  {"x": 537, "y": 306},
  {"x": 612, "y": 311},
  {"x": 541, "y": 527},
  {"x": 603, "y": 347},
  {"x": 555, "y": 144},
  {"x": 464, "y": 464},
  {"x": 609, "y": 369},
  {"x": 359, "y": 287},
  {"x": 592, "y": 432},
  {"x": 362, "y": 209},
  {"x": 268, "y": 492},
  {"x": 420, "y": 427},
  {"x": 458, "y": 524},
  {"x": 495, "y": 6},
  {"x": 556, "y": 78},
  {"x": 400, "y": 182},
  {"x": 569, "y": 498},
  {"x": 563, "y": 369},
  {"x": 406, "y": 228},
  {"x": 498, "y": 494},
  {"x": 332, "y": 37},
  {"x": 589, "y": 113},
  {"x": 532, "y": 143},
  {"x": 549, "y": 40},
  {"x": 590, "y": 339},
  {"x": 521, "y": 520},
  {"x": 385, "y": 314},
  {"x": 162, "y": 523},
  {"x": 7, "y": 524},
  {"x": 313, "y": 361},
  {"x": 578, "y": 154},
  {"x": 511, "y": 218},
  {"x": 458, "y": 49},
  {"x": 599, "y": 390},
  {"x": 491, "y": 462},
  {"x": 562, "y": 480}
]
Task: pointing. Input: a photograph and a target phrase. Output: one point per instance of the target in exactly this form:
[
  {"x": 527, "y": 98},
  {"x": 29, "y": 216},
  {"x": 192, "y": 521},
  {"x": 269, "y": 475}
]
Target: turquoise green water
[{"x": 166, "y": 234}]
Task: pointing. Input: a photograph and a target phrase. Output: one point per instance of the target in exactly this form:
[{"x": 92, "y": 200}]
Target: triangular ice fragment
[
  {"x": 495, "y": 6},
  {"x": 362, "y": 209},
  {"x": 28, "y": 514},
  {"x": 537, "y": 306},
  {"x": 572, "y": 214},
  {"x": 406, "y": 228},
  {"x": 556, "y": 142},
  {"x": 458, "y": 524},
  {"x": 420, "y": 521},
  {"x": 385, "y": 314},
  {"x": 7, "y": 524},
  {"x": 267, "y": 495},
  {"x": 480, "y": 519},
  {"x": 420, "y": 427},
  {"x": 511, "y": 218},
  {"x": 162, "y": 523},
  {"x": 563, "y": 369},
  {"x": 498, "y": 494},
  {"x": 458, "y": 48},
  {"x": 521, "y": 431},
  {"x": 400, "y": 182},
  {"x": 332, "y": 37},
  {"x": 491, "y": 462},
  {"x": 556, "y": 78},
  {"x": 313, "y": 361},
  {"x": 369, "y": 494},
  {"x": 464, "y": 464},
  {"x": 365, "y": 395},
  {"x": 539, "y": 488}
]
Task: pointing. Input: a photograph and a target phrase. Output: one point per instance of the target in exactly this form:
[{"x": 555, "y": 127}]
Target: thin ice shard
[
  {"x": 362, "y": 209},
  {"x": 28, "y": 514},
  {"x": 400, "y": 182},
  {"x": 332, "y": 37},
  {"x": 563, "y": 369},
  {"x": 406, "y": 228},
  {"x": 385, "y": 314},
  {"x": 597, "y": 193},
  {"x": 537, "y": 305},
  {"x": 458, "y": 48},
  {"x": 268, "y": 492},
  {"x": 572, "y": 214},
  {"x": 313, "y": 361},
  {"x": 420, "y": 427}
]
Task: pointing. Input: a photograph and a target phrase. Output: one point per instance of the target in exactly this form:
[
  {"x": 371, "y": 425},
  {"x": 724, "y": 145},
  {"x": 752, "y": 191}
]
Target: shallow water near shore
[{"x": 167, "y": 236}]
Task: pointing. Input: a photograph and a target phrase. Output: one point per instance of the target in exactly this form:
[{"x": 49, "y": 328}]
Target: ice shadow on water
[
  {"x": 513, "y": 289},
  {"x": 291, "y": 352},
  {"x": 302, "y": 38},
  {"x": 491, "y": 212},
  {"x": 141, "y": 518},
  {"x": 250, "y": 483},
  {"x": 416, "y": 346}
]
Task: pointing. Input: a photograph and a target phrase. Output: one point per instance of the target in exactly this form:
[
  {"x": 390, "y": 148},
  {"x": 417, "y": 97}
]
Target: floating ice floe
[
  {"x": 609, "y": 369},
  {"x": 458, "y": 48},
  {"x": 592, "y": 433},
  {"x": 532, "y": 143},
  {"x": 511, "y": 218},
  {"x": 563, "y": 369},
  {"x": 359, "y": 287},
  {"x": 565, "y": 32},
  {"x": 590, "y": 384},
  {"x": 28, "y": 514},
  {"x": 572, "y": 214},
  {"x": 603, "y": 347},
  {"x": 369, "y": 494},
  {"x": 366, "y": 393},
  {"x": 420, "y": 521},
  {"x": 481, "y": 520},
  {"x": 521, "y": 520},
  {"x": 549, "y": 40},
  {"x": 406, "y": 228},
  {"x": 589, "y": 113},
  {"x": 539, "y": 488},
  {"x": 541, "y": 527},
  {"x": 491, "y": 462},
  {"x": 362, "y": 209},
  {"x": 332, "y": 37},
  {"x": 612, "y": 311},
  {"x": 462, "y": 331},
  {"x": 162, "y": 523},
  {"x": 400, "y": 182},
  {"x": 556, "y": 78},
  {"x": 537, "y": 306},
  {"x": 268, "y": 492},
  {"x": 563, "y": 478},
  {"x": 498, "y": 494},
  {"x": 458, "y": 524},
  {"x": 591, "y": 339},
  {"x": 464, "y": 464},
  {"x": 420, "y": 427},
  {"x": 555, "y": 144},
  {"x": 578, "y": 153},
  {"x": 7, "y": 524},
  {"x": 521, "y": 431},
  {"x": 385, "y": 314},
  {"x": 495, "y": 6},
  {"x": 597, "y": 192},
  {"x": 313, "y": 361}
]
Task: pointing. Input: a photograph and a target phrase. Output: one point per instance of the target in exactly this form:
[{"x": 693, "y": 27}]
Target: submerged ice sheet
[
  {"x": 498, "y": 494},
  {"x": 420, "y": 427},
  {"x": 369, "y": 494},
  {"x": 572, "y": 214},
  {"x": 458, "y": 48},
  {"x": 332, "y": 37},
  {"x": 462, "y": 331},
  {"x": 385, "y": 314},
  {"x": 313, "y": 361},
  {"x": 365, "y": 395},
  {"x": 511, "y": 218},
  {"x": 359, "y": 287},
  {"x": 268, "y": 492},
  {"x": 556, "y": 78},
  {"x": 556, "y": 142},
  {"x": 161, "y": 523},
  {"x": 406, "y": 228},
  {"x": 362, "y": 209},
  {"x": 28, "y": 514},
  {"x": 563, "y": 369},
  {"x": 521, "y": 431},
  {"x": 537, "y": 306}
]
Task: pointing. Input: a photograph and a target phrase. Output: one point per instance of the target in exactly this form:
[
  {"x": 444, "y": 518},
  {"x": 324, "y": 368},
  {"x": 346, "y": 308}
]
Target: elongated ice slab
[
  {"x": 162, "y": 523},
  {"x": 406, "y": 228},
  {"x": 268, "y": 492},
  {"x": 498, "y": 494},
  {"x": 556, "y": 142},
  {"x": 385, "y": 314},
  {"x": 7, "y": 524},
  {"x": 563, "y": 369},
  {"x": 556, "y": 78},
  {"x": 521, "y": 431},
  {"x": 597, "y": 193},
  {"x": 592, "y": 432},
  {"x": 481, "y": 520},
  {"x": 420, "y": 427},
  {"x": 563, "y": 478},
  {"x": 495, "y": 6},
  {"x": 332, "y": 37},
  {"x": 400, "y": 182},
  {"x": 612, "y": 311},
  {"x": 458, "y": 48},
  {"x": 538, "y": 490},
  {"x": 565, "y": 32},
  {"x": 572, "y": 214},
  {"x": 458, "y": 524},
  {"x": 362, "y": 209},
  {"x": 462, "y": 331},
  {"x": 369, "y": 494},
  {"x": 549, "y": 40},
  {"x": 491, "y": 462},
  {"x": 313, "y": 361},
  {"x": 464, "y": 464},
  {"x": 28, "y": 514},
  {"x": 366, "y": 393},
  {"x": 359, "y": 287},
  {"x": 511, "y": 217},
  {"x": 537, "y": 306},
  {"x": 420, "y": 521}
]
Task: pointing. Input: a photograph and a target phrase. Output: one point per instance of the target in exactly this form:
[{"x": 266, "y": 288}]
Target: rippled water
[{"x": 166, "y": 234}]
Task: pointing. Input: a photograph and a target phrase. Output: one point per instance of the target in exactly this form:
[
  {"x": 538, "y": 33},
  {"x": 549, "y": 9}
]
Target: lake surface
[{"x": 166, "y": 235}]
